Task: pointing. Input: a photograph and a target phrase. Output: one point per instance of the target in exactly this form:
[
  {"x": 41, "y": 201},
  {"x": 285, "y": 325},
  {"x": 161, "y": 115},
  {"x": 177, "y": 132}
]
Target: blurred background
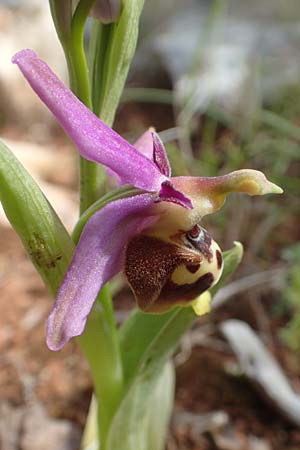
[{"x": 220, "y": 81}]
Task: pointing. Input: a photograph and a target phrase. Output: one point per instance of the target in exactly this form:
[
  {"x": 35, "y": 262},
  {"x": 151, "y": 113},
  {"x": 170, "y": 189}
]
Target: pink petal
[
  {"x": 98, "y": 257},
  {"x": 160, "y": 156},
  {"x": 150, "y": 145},
  {"x": 95, "y": 140},
  {"x": 144, "y": 144}
]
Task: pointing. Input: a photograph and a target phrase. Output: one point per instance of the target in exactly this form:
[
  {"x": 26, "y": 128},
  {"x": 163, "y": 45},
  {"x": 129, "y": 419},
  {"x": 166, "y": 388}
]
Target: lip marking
[
  {"x": 192, "y": 268},
  {"x": 201, "y": 240},
  {"x": 219, "y": 259}
]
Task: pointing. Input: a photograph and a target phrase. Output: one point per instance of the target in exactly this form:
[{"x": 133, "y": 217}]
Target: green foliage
[
  {"x": 44, "y": 237},
  {"x": 137, "y": 423},
  {"x": 112, "y": 48},
  {"x": 290, "y": 302},
  {"x": 62, "y": 14},
  {"x": 100, "y": 345}
]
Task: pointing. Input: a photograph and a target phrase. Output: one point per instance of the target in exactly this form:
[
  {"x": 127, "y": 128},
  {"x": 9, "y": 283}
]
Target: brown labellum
[{"x": 165, "y": 274}]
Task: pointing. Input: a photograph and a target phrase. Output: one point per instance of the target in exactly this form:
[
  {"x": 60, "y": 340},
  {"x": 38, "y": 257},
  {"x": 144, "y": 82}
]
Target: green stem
[
  {"x": 101, "y": 347},
  {"x": 77, "y": 57},
  {"x": 99, "y": 341},
  {"x": 98, "y": 46},
  {"x": 79, "y": 83}
]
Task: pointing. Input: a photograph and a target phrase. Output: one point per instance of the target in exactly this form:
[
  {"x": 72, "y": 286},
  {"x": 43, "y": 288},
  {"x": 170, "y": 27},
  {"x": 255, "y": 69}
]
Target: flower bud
[{"x": 106, "y": 11}]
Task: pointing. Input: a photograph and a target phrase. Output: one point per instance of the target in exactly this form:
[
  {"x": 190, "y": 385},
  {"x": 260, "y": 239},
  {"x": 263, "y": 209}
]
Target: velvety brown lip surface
[
  {"x": 187, "y": 291},
  {"x": 149, "y": 264}
]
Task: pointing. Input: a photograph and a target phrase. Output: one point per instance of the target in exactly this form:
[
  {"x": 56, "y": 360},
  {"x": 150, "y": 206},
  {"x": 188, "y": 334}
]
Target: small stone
[{"x": 43, "y": 432}]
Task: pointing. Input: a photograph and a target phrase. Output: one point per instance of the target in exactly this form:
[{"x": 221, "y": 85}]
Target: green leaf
[
  {"x": 45, "y": 239},
  {"x": 144, "y": 338},
  {"x": 232, "y": 259},
  {"x": 163, "y": 395},
  {"x": 90, "y": 437},
  {"x": 61, "y": 11},
  {"x": 137, "y": 423},
  {"x": 112, "y": 49}
]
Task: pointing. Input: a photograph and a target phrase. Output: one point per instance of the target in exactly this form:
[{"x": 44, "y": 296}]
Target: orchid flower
[{"x": 154, "y": 236}]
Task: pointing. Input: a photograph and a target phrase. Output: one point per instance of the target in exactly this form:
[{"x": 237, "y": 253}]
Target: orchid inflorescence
[{"x": 154, "y": 235}]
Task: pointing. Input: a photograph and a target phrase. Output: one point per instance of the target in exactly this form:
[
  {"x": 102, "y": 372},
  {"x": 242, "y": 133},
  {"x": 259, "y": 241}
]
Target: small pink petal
[
  {"x": 144, "y": 144},
  {"x": 160, "y": 156},
  {"x": 169, "y": 194},
  {"x": 150, "y": 145}
]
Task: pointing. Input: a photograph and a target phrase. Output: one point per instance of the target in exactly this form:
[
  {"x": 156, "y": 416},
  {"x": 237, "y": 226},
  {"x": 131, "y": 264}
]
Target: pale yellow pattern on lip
[{"x": 182, "y": 276}]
